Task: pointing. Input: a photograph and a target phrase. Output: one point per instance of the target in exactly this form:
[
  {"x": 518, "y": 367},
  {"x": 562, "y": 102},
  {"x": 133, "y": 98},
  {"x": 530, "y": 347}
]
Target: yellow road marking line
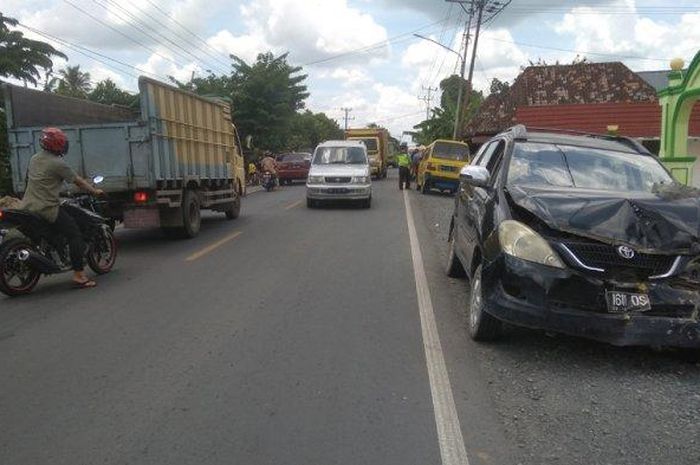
[
  {"x": 295, "y": 204},
  {"x": 213, "y": 247}
]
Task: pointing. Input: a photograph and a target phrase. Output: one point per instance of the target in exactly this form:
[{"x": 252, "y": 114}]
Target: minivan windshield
[
  {"x": 588, "y": 168},
  {"x": 340, "y": 156},
  {"x": 447, "y": 151}
]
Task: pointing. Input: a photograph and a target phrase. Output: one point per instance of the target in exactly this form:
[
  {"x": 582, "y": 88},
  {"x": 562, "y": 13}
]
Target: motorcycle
[
  {"x": 39, "y": 251},
  {"x": 268, "y": 181}
]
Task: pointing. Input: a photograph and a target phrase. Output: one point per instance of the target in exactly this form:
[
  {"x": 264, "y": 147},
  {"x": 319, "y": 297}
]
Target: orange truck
[{"x": 377, "y": 142}]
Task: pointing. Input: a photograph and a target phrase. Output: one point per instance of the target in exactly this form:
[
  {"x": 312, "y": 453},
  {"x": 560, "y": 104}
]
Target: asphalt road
[{"x": 295, "y": 336}]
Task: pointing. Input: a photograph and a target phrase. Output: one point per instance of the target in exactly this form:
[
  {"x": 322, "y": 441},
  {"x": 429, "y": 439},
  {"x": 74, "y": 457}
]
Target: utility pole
[
  {"x": 347, "y": 117},
  {"x": 478, "y": 7},
  {"x": 428, "y": 98}
]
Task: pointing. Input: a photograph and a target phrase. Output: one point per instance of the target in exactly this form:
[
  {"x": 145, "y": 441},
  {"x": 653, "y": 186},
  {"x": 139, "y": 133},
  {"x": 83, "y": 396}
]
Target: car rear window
[
  {"x": 588, "y": 168},
  {"x": 291, "y": 157},
  {"x": 447, "y": 151}
]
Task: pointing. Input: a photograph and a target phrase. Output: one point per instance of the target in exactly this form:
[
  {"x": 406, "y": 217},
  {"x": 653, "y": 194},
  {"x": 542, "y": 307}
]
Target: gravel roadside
[{"x": 565, "y": 400}]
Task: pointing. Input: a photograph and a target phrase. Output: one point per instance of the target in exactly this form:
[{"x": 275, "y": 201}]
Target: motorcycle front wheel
[
  {"x": 102, "y": 253},
  {"x": 16, "y": 277}
]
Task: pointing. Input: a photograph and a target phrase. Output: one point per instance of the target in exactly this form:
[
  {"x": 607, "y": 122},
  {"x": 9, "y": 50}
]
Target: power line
[
  {"x": 121, "y": 33},
  {"x": 85, "y": 51},
  {"x": 184, "y": 28},
  {"x": 139, "y": 25}
]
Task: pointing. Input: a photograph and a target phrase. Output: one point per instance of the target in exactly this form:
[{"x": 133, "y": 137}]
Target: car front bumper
[
  {"x": 339, "y": 192},
  {"x": 573, "y": 303}
]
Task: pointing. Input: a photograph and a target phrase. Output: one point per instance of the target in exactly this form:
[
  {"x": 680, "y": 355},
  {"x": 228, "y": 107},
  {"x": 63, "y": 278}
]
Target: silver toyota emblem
[{"x": 625, "y": 252}]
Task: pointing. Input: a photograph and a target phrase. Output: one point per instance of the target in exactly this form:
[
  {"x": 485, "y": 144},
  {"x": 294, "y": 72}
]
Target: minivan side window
[
  {"x": 485, "y": 158},
  {"x": 480, "y": 153},
  {"x": 495, "y": 157}
]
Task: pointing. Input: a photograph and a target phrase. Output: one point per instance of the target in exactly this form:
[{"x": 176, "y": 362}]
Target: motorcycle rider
[
  {"x": 46, "y": 174},
  {"x": 269, "y": 164}
]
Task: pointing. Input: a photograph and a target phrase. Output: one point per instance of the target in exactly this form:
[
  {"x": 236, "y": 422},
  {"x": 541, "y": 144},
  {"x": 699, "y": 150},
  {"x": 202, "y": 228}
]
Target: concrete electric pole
[
  {"x": 347, "y": 117},
  {"x": 428, "y": 98}
]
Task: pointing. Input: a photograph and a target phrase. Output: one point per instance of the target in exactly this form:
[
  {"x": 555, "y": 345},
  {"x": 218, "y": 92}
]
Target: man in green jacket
[{"x": 404, "y": 162}]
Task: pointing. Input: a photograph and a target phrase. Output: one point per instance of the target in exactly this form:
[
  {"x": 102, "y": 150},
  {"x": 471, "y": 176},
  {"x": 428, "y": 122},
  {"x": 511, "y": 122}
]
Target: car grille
[
  {"x": 338, "y": 179},
  {"x": 605, "y": 256},
  {"x": 449, "y": 169}
]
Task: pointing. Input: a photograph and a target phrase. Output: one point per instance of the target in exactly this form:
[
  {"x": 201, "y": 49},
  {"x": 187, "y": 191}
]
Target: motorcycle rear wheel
[
  {"x": 16, "y": 278},
  {"x": 102, "y": 253}
]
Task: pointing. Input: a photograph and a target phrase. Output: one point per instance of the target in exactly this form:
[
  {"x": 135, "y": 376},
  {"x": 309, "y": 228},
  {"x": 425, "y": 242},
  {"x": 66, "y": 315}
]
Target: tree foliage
[
  {"x": 441, "y": 123},
  {"x": 72, "y": 82},
  {"x": 22, "y": 58},
  {"x": 309, "y": 129},
  {"x": 106, "y": 92}
]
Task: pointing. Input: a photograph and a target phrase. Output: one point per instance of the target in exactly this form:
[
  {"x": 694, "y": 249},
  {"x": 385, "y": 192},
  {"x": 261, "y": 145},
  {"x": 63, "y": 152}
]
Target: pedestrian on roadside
[
  {"x": 404, "y": 162},
  {"x": 415, "y": 161}
]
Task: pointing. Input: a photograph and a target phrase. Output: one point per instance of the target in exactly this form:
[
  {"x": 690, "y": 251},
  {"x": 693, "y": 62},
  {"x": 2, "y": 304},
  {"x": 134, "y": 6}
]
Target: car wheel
[
  {"x": 454, "y": 267},
  {"x": 310, "y": 203},
  {"x": 367, "y": 203},
  {"x": 482, "y": 326},
  {"x": 191, "y": 215}
]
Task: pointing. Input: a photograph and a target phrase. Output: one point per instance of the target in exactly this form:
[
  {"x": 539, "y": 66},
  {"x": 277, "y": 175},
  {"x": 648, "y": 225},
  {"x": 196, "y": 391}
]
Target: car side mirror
[{"x": 476, "y": 176}]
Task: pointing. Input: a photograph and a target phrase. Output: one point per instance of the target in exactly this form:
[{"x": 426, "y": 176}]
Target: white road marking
[{"x": 452, "y": 449}]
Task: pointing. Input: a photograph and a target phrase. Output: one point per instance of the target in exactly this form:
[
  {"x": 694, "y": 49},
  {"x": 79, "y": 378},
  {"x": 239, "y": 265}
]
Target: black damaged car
[{"x": 586, "y": 235}]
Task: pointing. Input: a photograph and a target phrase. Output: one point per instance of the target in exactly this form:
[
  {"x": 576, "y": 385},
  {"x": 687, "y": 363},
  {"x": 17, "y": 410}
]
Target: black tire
[
  {"x": 454, "y": 268},
  {"x": 102, "y": 253},
  {"x": 191, "y": 214},
  {"x": 11, "y": 268},
  {"x": 233, "y": 210},
  {"x": 482, "y": 326},
  {"x": 367, "y": 203},
  {"x": 310, "y": 203}
]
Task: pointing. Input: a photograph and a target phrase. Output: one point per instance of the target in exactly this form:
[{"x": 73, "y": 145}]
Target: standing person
[
  {"x": 251, "y": 172},
  {"x": 46, "y": 174},
  {"x": 416, "y": 157},
  {"x": 404, "y": 162}
]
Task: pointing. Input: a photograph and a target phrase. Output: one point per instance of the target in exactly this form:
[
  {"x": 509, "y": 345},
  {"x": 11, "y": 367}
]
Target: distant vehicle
[
  {"x": 339, "y": 171},
  {"x": 440, "y": 166},
  {"x": 586, "y": 235},
  {"x": 377, "y": 142},
  {"x": 293, "y": 167},
  {"x": 178, "y": 155},
  {"x": 37, "y": 250},
  {"x": 268, "y": 181}
]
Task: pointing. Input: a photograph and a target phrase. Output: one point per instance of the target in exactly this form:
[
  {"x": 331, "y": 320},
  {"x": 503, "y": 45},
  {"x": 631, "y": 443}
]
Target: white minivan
[{"x": 339, "y": 171}]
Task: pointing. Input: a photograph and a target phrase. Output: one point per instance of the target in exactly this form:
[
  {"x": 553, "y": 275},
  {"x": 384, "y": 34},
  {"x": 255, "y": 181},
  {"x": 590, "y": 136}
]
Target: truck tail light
[{"x": 140, "y": 197}]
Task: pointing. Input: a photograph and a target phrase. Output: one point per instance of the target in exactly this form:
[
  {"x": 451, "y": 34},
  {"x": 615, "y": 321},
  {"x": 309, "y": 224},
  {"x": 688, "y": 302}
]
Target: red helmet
[{"x": 54, "y": 140}]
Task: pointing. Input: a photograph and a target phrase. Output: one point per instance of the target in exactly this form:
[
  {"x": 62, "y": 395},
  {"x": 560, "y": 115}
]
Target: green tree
[
  {"x": 308, "y": 129},
  {"x": 107, "y": 93},
  {"x": 440, "y": 125},
  {"x": 72, "y": 82},
  {"x": 266, "y": 97},
  {"x": 5, "y": 173},
  {"x": 22, "y": 58}
]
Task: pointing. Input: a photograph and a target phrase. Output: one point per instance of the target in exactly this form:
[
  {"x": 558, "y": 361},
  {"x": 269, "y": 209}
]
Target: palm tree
[
  {"x": 21, "y": 58},
  {"x": 72, "y": 82}
]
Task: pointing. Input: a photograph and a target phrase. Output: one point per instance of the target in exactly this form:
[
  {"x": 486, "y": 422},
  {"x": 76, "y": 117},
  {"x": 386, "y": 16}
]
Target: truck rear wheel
[{"x": 191, "y": 214}]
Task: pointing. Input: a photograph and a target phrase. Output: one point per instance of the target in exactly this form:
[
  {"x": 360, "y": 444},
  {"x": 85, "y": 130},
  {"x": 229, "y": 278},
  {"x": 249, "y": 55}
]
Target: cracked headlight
[
  {"x": 315, "y": 180},
  {"x": 522, "y": 242},
  {"x": 360, "y": 179}
]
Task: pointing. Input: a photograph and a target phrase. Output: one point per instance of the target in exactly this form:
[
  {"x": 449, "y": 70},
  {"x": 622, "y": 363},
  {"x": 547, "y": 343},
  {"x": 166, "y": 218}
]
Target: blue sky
[{"x": 381, "y": 84}]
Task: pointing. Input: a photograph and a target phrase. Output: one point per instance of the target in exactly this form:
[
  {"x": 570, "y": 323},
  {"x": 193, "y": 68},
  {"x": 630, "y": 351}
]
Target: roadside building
[{"x": 586, "y": 97}]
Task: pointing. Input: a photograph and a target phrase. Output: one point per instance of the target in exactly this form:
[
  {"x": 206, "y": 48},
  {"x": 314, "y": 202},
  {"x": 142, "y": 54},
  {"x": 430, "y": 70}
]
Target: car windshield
[
  {"x": 588, "y": 168},
  {"x": 447, "y": 151},
  {"x": 370, "y": 143},
  {"x": 340, "y": 156},
  {"x": 287, "y": 157}
]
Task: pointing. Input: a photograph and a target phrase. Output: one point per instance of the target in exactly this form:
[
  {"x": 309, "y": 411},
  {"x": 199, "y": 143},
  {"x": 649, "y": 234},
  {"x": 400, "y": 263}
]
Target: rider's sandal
[{"x": 87, "y": 284}]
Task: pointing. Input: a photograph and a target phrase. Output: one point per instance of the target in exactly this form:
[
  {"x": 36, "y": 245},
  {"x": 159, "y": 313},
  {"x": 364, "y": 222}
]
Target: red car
[{"x": 293, "y": 166}]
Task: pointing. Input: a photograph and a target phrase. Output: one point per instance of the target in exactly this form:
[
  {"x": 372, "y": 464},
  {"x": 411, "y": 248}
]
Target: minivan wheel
[
  {"x": 482, "y": 326},
  {"x": 454, "y": 267}
]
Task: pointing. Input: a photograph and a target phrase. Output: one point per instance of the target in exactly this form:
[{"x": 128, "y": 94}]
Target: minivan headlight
[
  {"x": 315, "y": 180},
  {"x": 360, "y": 179},
  {"x": 520, "y": 241}
]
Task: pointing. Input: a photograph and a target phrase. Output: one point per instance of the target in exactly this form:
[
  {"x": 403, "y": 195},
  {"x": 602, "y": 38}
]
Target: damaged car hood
[{"x": 666, "y": 221}]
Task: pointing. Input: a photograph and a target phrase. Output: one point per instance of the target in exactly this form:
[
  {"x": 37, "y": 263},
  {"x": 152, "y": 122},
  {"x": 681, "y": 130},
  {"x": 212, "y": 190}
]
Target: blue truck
[{"x": 178, "y": 154}]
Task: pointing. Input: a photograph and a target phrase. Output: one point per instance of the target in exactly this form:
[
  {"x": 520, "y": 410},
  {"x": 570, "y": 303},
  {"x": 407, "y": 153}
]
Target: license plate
[
  {"x": 625, "y": 302},
  {"x": 337, "y": 191}
]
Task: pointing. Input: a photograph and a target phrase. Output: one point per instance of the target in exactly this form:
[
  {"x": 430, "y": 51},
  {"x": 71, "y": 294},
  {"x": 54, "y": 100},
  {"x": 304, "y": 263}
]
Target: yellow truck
[{"x": 377, "y": 142}]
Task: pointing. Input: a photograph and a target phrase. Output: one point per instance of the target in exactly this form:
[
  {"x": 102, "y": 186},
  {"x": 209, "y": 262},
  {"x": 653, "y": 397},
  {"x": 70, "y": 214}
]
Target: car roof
[
  {"x": 342, "y": 143},
  {"x": 578, "y": 139}
]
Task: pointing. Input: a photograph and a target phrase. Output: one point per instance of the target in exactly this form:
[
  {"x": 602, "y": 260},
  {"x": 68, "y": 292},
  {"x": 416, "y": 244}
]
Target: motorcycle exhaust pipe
[{"x": 38, "y": 262}]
